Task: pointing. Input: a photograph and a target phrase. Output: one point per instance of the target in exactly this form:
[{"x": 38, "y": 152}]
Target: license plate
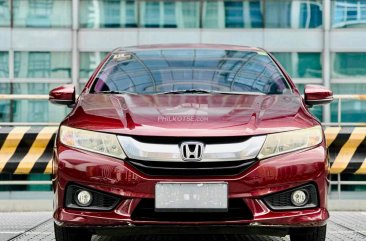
[{"x": 183, "y": 197}]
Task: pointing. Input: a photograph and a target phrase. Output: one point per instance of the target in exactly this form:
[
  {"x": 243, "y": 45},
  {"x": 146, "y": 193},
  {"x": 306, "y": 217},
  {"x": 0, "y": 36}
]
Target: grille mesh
[
  {"x": 237, "y": 210},
  {"x": 155, "y": 168}
]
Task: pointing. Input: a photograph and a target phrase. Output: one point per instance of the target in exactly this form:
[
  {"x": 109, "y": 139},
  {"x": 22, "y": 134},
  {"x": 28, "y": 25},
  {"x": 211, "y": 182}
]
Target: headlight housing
[
  {"x": 98, "y": 142},
  {"x": 280, "y": 143}
]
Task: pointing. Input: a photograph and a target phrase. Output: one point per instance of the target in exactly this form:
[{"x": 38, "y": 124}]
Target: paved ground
[{"x": 38, "y": 226}]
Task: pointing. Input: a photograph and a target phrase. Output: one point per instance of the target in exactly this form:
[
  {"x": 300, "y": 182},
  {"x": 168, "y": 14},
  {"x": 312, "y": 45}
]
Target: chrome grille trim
[{"x": 245, "y": 150}]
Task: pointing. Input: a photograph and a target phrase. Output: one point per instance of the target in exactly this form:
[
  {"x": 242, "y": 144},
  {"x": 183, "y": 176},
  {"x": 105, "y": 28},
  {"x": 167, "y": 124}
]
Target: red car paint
[
  {"x": 228, "y": 115},
  {"x": 61, "y": 94},
  {"x": 314, "y": 93},
  {"x": 220, "y": 115},
  {"x": 265, "y": 177}
]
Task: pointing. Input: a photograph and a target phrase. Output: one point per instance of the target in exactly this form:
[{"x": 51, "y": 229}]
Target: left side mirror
[
  {"x": 63, "y": 95},
  {"x": 317, "y": 95}
]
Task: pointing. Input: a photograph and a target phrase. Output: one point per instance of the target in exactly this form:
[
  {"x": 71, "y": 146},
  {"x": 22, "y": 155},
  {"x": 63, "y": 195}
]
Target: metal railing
[
  {"x": 339, "y": 98},
  {"x": 339, "y": 183},
  {"x": 25, "y": 182},
  {"x": 22, "y": 97}
]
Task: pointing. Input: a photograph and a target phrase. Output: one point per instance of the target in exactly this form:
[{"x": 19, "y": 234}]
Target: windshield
[{"x": 164, "y": 71}]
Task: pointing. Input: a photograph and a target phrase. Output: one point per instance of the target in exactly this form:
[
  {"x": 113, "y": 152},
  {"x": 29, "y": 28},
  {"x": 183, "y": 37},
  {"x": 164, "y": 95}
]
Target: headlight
[
  {"x": 103, "y": 143},
  {"x": 280, "y": 143}
]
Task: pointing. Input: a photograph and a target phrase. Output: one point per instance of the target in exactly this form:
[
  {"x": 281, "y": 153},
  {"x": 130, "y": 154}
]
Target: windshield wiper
[
  {"x": 114, "y": 92},
  {"x": 201, "y": 91},
  {"x": 237, "y": 92},
  {"x": 188, "y": 91}
]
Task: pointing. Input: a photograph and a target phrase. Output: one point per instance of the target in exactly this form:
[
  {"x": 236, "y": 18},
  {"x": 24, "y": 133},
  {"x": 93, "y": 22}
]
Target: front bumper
[
  {"x": 148, "y": 230},
  {"x": 119, "y": 178}
]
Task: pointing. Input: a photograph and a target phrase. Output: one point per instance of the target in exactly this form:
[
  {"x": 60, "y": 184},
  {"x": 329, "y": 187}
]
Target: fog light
[
  {"x": 299, "y": 198},
  {"x": 84, "y": 198}
]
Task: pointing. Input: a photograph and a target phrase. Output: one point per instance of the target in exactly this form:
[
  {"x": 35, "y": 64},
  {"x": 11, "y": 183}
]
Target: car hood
[{"x": 190, "y": 115}]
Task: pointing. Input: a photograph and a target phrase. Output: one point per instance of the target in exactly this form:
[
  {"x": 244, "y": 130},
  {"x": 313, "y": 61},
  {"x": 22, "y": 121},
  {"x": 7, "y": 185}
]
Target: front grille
[
  {"x": 101, "y": 201},
  {"x": 179, "y": 139},
  {"x": 237, "y": 210},
  {"x": 155, "y": 168}
]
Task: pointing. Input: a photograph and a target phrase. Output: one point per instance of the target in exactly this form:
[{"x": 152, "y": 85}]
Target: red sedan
[{"x": 208, "y": 139}]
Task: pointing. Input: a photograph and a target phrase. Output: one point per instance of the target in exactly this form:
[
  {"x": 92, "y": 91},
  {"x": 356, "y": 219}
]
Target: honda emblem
[{"x": 192, "y": 151}]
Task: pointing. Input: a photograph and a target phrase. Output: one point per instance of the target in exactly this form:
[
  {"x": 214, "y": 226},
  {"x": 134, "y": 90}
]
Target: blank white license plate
[{"x": 182, "y": 197}]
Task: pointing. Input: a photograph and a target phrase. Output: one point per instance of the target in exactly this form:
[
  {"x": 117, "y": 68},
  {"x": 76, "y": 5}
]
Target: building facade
[{"x": 46, "y": 43}]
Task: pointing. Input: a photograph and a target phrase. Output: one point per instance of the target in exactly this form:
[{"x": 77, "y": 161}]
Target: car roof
[{"x": 187, "y": 46}]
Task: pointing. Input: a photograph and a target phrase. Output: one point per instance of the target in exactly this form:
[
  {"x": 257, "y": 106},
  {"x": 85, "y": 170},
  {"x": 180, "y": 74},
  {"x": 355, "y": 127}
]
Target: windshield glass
[{"x": 159, "y": 71}]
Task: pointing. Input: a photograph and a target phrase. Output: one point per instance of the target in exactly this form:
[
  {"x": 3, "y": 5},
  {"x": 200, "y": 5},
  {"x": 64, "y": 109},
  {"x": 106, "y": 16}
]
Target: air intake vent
[
  {"x": 238, "y": 210},
  {"x": 155, "y": 168}
]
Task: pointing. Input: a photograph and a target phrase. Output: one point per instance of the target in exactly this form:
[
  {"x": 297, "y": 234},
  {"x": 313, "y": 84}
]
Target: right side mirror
[
  {"x": 63, "y": 95},
  {"x": 317, "y": 95}
]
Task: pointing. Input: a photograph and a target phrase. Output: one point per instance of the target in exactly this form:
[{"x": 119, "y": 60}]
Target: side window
[{"x": 310, "y": 15}]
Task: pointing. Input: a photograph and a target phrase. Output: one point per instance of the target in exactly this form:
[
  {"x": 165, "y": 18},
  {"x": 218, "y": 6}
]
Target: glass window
[
  {"x": 4, "y": 88},
  {"x": 27, "y": 88},
  {"x": 170, "y": 14},
  {"x": 4, "y": 110},
  {"x": 232, "y": 14},
  {"x": 42, "y": 13},
  {"x": 4, "y": 64},
  {"x": 33, "y": 88},
  {"x": 348, "y": 64},
  {"x": 42, "y": 65},
  {"x": 30, "y": 110},
  {"x": 189, "y": 15},
  {"x": 4, "y": 104},
  {"x": 4, "y": 13},
  {"x": 15, "y": 192},
  {"x": 349, "y": 13},
  {"x": 358, "y": 190},
  {"x": 108, "y": 14},
  {"x": 37, "y": 111},
  {"x": 161, "y": 70},
  {"x": 301, "y": 65},
  {"x": 293, "y": 14},
  {"x": 89, "y": 61},
  {"x": 352, "y": 110},
  {"x": 151, "y": 15}
]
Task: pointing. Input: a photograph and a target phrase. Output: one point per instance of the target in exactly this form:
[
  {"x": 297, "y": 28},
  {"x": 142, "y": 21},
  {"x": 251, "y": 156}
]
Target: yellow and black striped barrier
[
  {"x": 347, "y": 149},
  {"x": 25, "y": 150}
]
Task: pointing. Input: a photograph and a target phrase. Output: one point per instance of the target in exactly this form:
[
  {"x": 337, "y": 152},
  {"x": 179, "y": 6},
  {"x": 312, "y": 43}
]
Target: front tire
[
  {"x": 71, "y": 234},
  {"x": 309, "y": 234}
]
